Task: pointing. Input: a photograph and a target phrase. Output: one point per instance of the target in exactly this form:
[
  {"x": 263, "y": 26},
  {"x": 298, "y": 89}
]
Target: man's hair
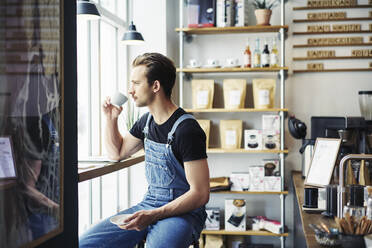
[{"x": 160, "y": 68}]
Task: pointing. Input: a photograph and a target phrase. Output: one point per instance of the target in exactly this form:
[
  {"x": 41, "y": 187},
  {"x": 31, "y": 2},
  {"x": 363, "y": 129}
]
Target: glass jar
[{"x": 355, "y": 204}]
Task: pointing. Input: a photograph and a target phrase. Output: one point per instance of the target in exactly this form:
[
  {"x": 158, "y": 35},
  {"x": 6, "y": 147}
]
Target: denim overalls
[{"x": 167, "y": 181}]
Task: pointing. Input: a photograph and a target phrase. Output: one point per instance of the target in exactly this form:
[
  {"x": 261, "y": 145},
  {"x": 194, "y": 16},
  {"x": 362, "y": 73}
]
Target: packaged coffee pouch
[
  {"x": 213, "y": 241},
  {"x": 202, "y": 93},
  {"x": 234, "y": 91},
  {"x": 264, "y": 93},
  {"x": 231, "y": 133},
  {"x": 206, "y": 126}
]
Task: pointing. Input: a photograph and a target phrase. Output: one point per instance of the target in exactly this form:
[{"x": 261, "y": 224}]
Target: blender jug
[{"x": 365, "y": 104}]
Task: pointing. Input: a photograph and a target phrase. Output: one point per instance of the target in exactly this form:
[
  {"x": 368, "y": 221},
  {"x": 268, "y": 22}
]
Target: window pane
[
  {"x": 108, "y": 64},
  {"x": 122, "y": 9},
  {"x": 83, "y": 206},
  {"x": 83, "y": 87},
  {"x": 109, "y": 195},
  {"x": 95, "y": 104},
  {"x": 109, "y": 5}
]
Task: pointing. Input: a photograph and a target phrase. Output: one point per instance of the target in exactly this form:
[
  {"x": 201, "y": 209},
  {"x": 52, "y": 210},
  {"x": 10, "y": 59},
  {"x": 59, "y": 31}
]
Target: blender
[{"x": 365, "y": 104}]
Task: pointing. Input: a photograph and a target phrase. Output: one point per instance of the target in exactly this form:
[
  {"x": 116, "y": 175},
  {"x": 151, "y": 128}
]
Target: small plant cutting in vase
[{"x": 263, "y": 10}]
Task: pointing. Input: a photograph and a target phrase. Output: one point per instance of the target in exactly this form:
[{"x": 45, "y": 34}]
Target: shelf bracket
[
  {"x": 285, "y": 114},
  {"x": 285, "y": 75},
  {"x": 188, "y": 37},
  {"x": 279, "y": 36},
  {"x": 187, "y": 75}
]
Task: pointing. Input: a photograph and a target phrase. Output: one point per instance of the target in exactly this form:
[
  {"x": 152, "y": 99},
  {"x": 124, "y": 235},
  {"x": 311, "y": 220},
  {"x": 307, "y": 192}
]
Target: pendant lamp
[
  {"x": 87, "y": 10},
  {"x": 132, "y": 37}
]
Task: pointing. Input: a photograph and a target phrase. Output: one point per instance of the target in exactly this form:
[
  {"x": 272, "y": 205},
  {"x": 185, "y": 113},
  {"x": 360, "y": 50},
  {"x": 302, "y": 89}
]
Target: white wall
[{"x": 307, "y": 94}]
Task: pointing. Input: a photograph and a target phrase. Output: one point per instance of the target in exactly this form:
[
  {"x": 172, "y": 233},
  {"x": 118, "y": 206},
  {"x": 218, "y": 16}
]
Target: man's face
[{"x": 139, "y": 89}]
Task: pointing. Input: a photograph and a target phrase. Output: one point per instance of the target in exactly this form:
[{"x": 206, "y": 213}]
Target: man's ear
[{"x": 156, "y": 86}]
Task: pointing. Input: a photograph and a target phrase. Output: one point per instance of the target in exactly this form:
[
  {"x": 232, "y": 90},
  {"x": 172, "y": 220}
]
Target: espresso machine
[{"x": 364, "y": 142}]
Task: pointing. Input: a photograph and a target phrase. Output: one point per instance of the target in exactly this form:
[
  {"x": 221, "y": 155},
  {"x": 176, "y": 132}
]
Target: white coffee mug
[
  {"x": 212, "y": 62},
  {"x": 194, "y": 63},
  {"x": 118, "y": 99},
  {"x": 231, "y": 62}
]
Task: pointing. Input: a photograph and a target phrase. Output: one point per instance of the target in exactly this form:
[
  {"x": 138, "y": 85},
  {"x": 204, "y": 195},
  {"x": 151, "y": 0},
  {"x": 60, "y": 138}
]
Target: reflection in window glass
[{"x": 30, "y": 122}]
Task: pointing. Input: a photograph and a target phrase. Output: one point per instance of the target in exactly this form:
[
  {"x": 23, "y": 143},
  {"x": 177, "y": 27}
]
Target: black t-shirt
[{"x": 189, "y": 138}]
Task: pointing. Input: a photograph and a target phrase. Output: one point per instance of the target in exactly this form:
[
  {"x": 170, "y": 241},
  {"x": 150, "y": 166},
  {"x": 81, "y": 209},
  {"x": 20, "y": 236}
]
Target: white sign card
[
  {"x": 7, "y": 165},
  {"x": 323, "y": 162}
]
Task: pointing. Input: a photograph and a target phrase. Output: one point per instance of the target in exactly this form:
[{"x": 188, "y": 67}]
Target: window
[{"x": 101, "y": 71}]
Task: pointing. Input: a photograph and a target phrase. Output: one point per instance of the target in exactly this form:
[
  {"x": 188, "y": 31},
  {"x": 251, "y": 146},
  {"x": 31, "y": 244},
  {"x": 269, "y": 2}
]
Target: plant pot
[{"x": 263, "y": 16}]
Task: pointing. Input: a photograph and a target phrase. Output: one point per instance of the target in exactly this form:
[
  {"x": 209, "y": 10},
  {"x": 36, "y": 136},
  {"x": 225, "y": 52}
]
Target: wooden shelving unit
[
  {"x": 334, "y": 20},
  {"x": 334, "y": 32},
  {"x": 337, "y": 57},
  {"x": 229, "y": 30},
  {"x": 335, "y": 70},
  {"x": 223, "y": 110},
  {"x": 220, "y": 150},
  {"x": 248, "y": 232},
  {"x": 252, "y": 192},
  {"x": 331, "y": 45},
  {"x": 360, "y": 6},
  {"x": 281, "y": 71},
  {"x": 238, "y": 69}
]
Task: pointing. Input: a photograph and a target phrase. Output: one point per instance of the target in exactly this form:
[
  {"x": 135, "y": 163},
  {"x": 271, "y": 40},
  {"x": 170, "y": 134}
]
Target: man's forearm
[
  {"x": 189, "y": 201},
  {"x": 114, "y": 140}
]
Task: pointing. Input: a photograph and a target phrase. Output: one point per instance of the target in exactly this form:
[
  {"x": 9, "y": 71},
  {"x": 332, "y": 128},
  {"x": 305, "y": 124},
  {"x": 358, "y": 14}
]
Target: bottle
[
  {"x": 274, "y": 55},
  {"x": 369, "y": 203},
  {"x": 257, "y": 55},
  {"x": 265, "y": 56},
  {"x": 247, "y": 57}
]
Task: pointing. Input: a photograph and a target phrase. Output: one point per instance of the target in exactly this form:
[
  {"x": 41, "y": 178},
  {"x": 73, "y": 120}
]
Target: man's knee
[{"x": 172, "y": 232}]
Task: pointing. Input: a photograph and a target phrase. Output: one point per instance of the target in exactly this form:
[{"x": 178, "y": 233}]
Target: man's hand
[
  {"x": 110, "y": 111},
  {"x": 140, "y": 220}
]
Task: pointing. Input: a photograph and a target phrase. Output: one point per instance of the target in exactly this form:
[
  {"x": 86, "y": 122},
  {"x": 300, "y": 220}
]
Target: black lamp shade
[
  {"x": 87, "y": 10},
  {"x": 132, "y": 37}
]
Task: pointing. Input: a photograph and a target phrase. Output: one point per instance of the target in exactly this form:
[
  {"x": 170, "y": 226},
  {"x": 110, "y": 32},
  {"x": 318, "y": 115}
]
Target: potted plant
[{"x": 263, "y": 10}]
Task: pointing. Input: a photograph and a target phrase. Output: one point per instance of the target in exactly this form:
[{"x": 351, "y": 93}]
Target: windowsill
[{"x": 97, "y": 169}]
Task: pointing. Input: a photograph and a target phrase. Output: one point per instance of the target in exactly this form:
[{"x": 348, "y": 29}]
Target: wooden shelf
[
  {"x": 223, "y": 110},
  {"x": 250, "y": 233},
  {"x": 331, "y": 45},
  {"x": 334, "y": 20},
  {"x": 335, "y": 7},
  {"x": 241, "y": 150},
  {"x": 337, "y": 57},
  {"x": 239, "y": 69},
  {"x": 252, "y": 192},
  {"x": 335, "y": 70},
  {"x": 229, "y": 30},
  {"x": 334, "y": 32}
]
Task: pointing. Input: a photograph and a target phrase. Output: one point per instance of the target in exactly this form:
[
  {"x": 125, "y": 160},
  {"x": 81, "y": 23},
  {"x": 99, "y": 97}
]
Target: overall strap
[
  {"x": 175, "y": 125},
  {"x": 146, "y": 128}
]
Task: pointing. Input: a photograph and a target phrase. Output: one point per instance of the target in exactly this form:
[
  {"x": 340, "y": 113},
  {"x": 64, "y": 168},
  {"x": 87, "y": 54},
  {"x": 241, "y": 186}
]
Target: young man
[{"x": 172, "y": 213}]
